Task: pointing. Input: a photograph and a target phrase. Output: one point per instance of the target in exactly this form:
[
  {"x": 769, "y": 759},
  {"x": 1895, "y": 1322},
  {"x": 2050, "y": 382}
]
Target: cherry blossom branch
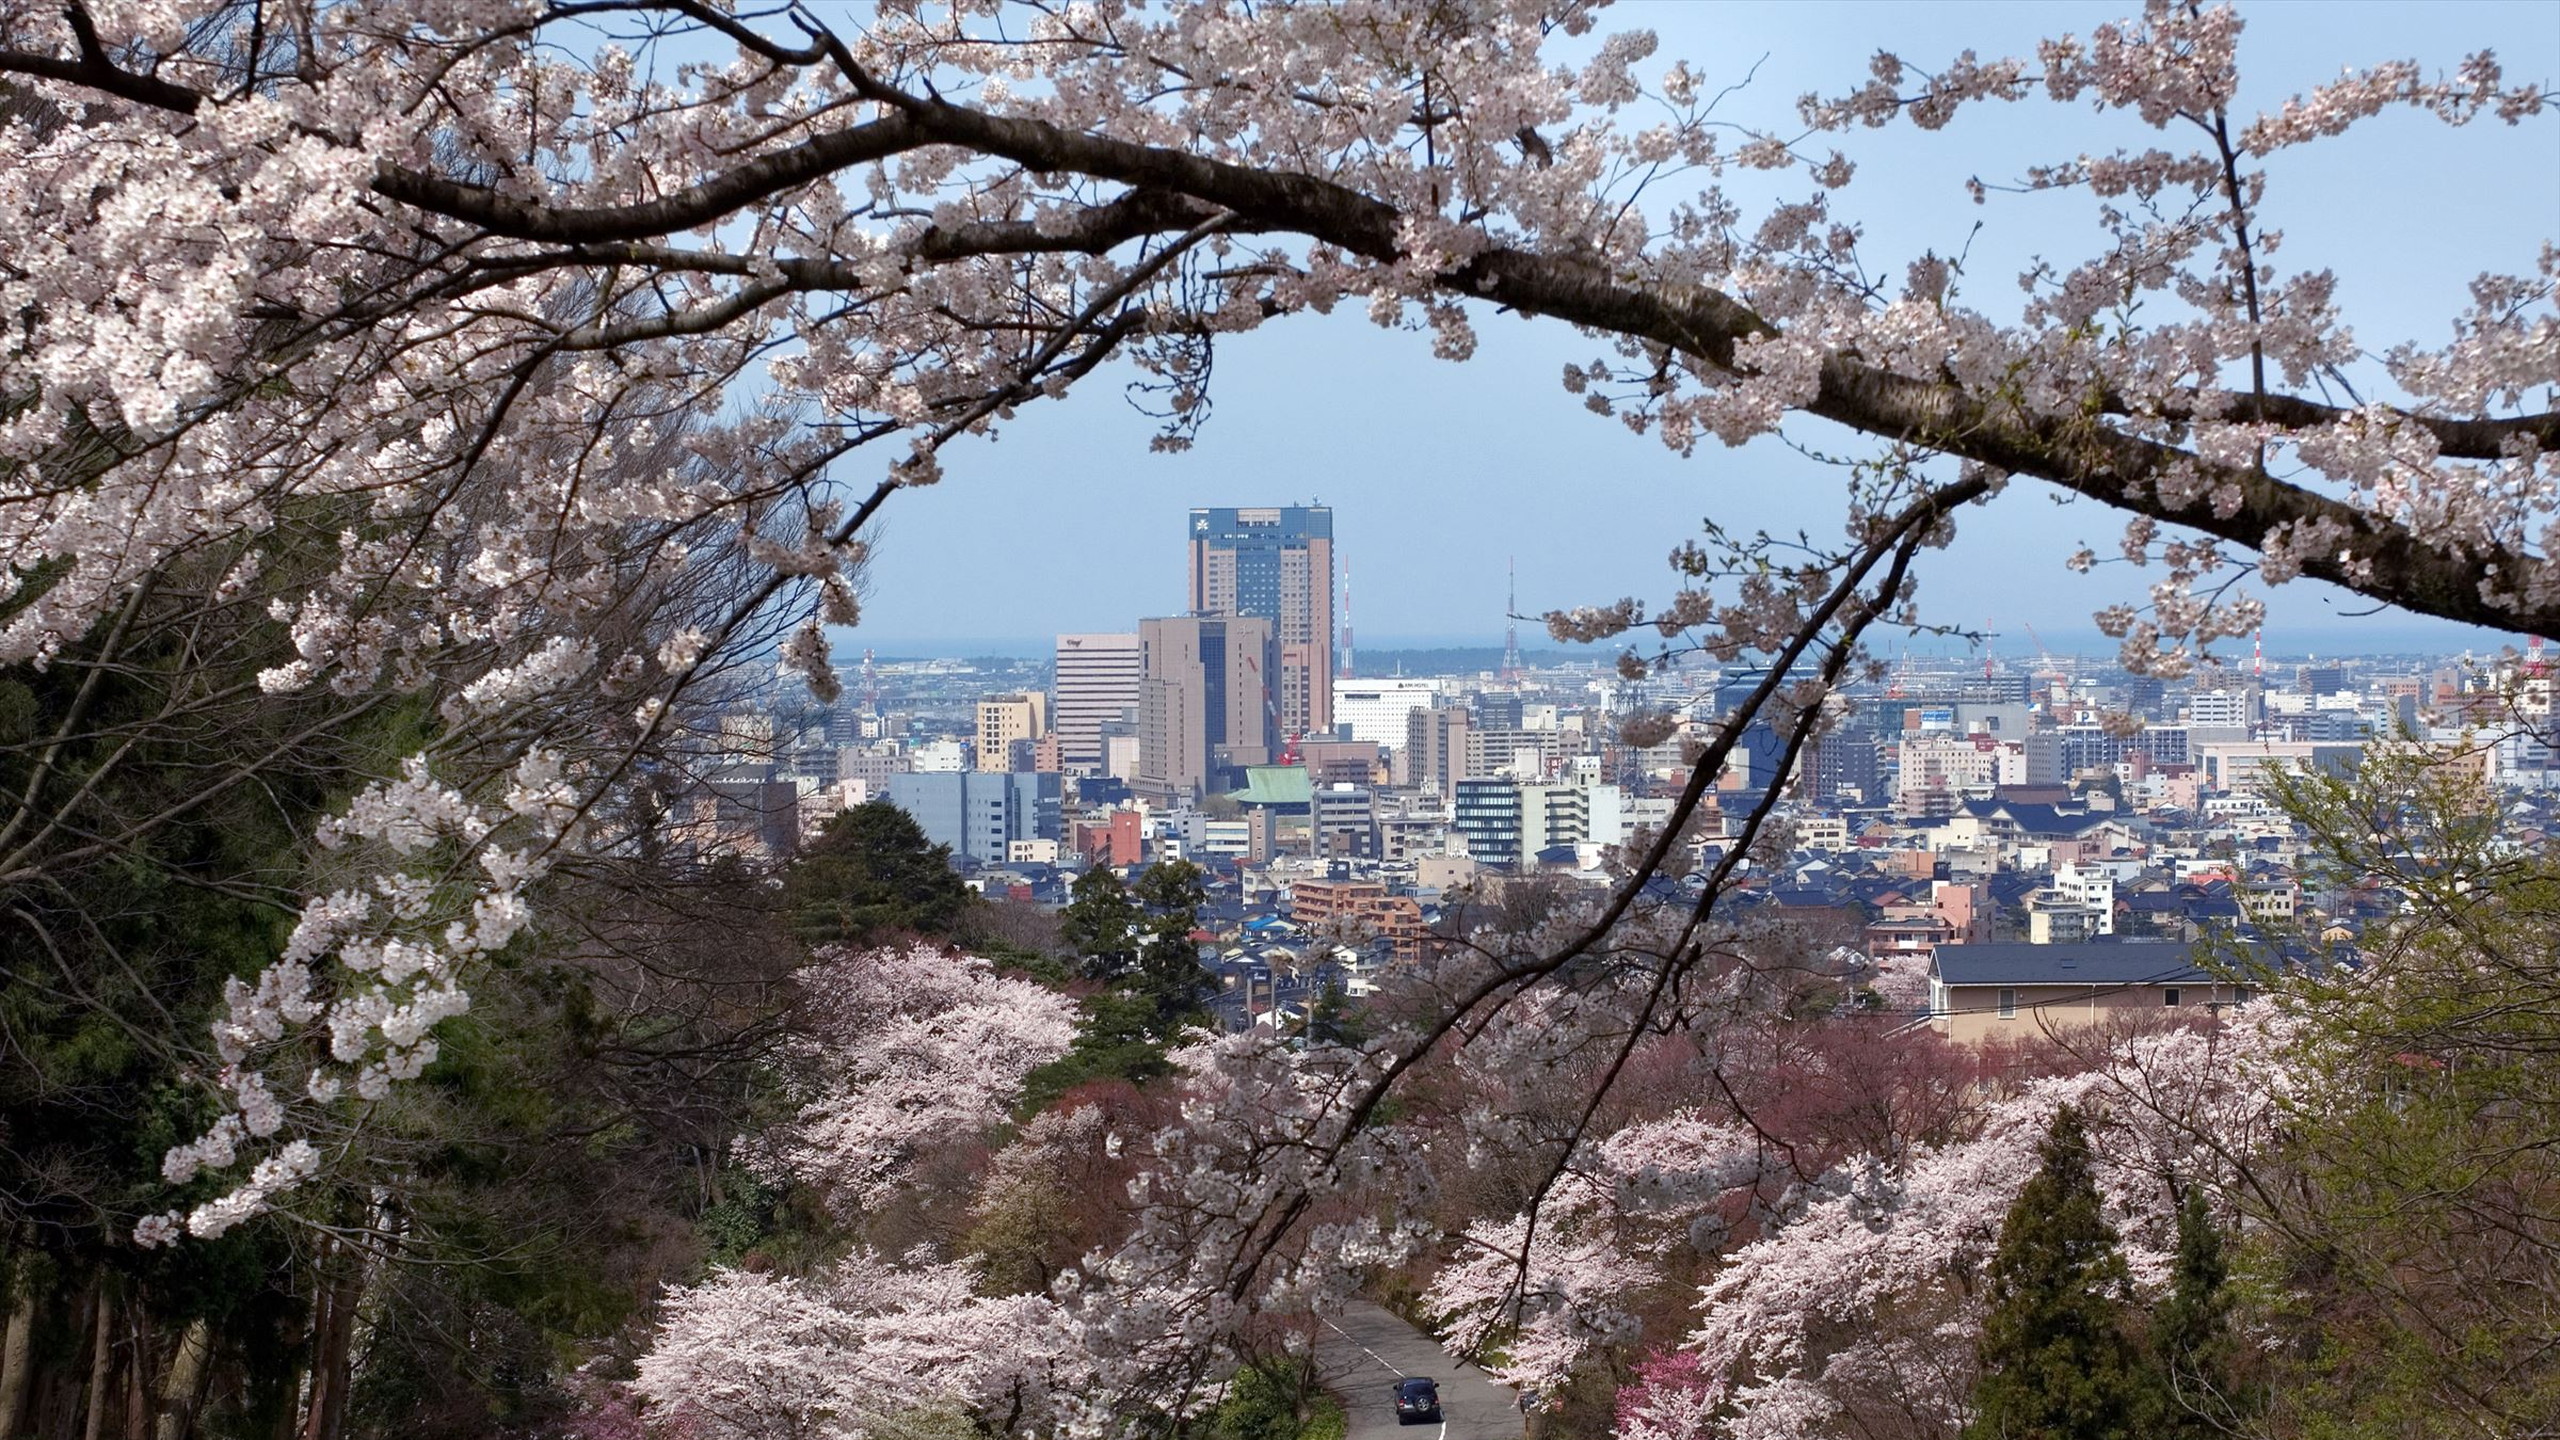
[
  {"x": 2376, "y": 556},
  {"x": 2485, "y": 580}
]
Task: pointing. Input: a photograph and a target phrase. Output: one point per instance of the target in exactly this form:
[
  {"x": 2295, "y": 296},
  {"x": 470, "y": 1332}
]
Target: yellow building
[{"x": 1005, "y": 719}]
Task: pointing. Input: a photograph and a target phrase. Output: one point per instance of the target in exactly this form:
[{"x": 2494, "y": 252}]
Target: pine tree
[
  {"x": 2189, "y": 1332},
  {"x": 1101, "y": 922},
  {"x": 870, "y": 874},
  {"x": 1169, "y": 970},
  {"x": 2059, "y": 1358}
]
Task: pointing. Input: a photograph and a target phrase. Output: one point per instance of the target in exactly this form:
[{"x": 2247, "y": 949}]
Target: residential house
[{"x": 1984, "y": 993}]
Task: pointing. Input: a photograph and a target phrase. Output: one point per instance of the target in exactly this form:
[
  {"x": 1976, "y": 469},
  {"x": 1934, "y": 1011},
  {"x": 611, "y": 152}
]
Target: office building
[
  {"x": 980, "y": 816},
  {"x": 1434, "y": 756},
  {"x": 1844, "y": 768},
  {"x": 1507, "y": 823},
  {"x": 1008, "y": 725},
  {"x": 2222, "y": 709},
  {"x": 1375, "y": 709},
  {"x": 1205, "y": 705},
  {"x": 1097, "y": 686},
  {"x": 1522, "y": 754},
  {"x": 1275, "y": 563},
  {"x": 1342, "y": 822}
]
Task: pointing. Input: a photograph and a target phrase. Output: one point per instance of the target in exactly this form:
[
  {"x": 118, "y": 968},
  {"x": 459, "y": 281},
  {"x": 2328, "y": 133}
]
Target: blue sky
[{"x": 1438, "y": 472}]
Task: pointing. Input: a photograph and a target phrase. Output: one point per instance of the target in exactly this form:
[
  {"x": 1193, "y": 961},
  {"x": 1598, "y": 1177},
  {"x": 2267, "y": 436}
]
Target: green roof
[{"x": 1275, "y": 785}]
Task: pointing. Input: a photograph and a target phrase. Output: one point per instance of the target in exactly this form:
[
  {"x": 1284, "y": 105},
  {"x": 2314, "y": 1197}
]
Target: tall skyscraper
[
  {"x": 1275, "y": 562},
  {"x": 1204, "y": 705},
  {"x": 1098, "y": 682}
]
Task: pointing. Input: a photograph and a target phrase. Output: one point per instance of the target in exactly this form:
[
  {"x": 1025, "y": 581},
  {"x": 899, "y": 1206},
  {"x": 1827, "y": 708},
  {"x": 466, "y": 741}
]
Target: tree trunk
[
  {"x": 137, "y": 1404},
  {"x": 16, "y": 1354},
  {"x": 185, "y": 1377},
  {"x": 332, "y": 1345},
  {"x": 102, "y": 1352}
]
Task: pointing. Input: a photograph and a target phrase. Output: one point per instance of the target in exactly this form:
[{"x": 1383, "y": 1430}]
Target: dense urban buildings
[
  {"x": 1988, "y": 833},
  {"x": 1275, "y": 562}
]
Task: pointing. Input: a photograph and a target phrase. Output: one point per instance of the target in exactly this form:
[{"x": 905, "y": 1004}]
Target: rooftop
[{"x": 2102, "y": 962}]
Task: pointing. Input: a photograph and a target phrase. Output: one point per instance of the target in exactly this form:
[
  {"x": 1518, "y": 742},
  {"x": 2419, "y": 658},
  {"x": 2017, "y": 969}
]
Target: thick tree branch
[
  {"x": 1172, "y": 190},
  {"x": 2379, "y": 559}
]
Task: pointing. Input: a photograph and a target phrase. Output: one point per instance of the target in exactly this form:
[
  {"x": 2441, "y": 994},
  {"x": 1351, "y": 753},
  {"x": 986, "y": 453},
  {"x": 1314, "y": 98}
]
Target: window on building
[
  {"x": 2169, "y": 996},
  {"x": 2240, "y": 995},
  {"x": 2008, "y": 1003}
]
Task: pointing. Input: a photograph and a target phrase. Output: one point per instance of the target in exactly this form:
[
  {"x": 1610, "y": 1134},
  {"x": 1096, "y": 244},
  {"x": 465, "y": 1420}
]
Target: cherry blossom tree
[
  {"x": 1548, "y": 1287},
  {"x": 1855, "y": 1312},
  {"x": 847, "y": 1353},
  {"x": 404, "y": 287},
  {"x": 905, "y": 1047}
]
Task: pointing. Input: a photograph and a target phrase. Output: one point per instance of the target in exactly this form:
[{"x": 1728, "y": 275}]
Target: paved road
[{"x": 1364, "y": 1350}]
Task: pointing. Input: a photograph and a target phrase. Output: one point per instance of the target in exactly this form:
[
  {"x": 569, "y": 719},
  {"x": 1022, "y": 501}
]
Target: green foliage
[
  {"x": 1117, "y": 1038},
  {"x": 2419, "y": 1181},
  {"x": 2190, "y": 1331},
  {"x": 1169, "y": 971},
  {"x": 930, "y": 1424},
  {"x": 1101, "y": 924},
  {"x": 2060, "y": 1359},
  {"x": 1333, "y": 1021},
  {"x": 745, "y": 1214},
  {"x": 1139, "y": 940},
  {"x": 1272, "y": 1403},
  {"x": 871, "y": 874}
]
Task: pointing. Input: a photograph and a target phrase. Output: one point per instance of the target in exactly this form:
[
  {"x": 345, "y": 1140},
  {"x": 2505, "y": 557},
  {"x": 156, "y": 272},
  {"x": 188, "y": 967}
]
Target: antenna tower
[
  {"x": 2258, "y": 657},
  {"x": 1348, "y": 668},
  {"x": 1511, "y": 624},
  {"x": 870, "y": 684}
]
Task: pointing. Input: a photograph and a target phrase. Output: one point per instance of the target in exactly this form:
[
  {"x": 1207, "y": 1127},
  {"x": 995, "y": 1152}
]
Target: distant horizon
[{"x": 2341, "y": 639}]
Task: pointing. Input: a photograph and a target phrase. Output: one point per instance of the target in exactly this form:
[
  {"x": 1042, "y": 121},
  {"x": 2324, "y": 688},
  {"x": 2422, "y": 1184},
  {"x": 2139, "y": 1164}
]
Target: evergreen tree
[
  {"x": 1117, "y": 1038},
  {"x": 1331, "y": 1020},
  {"x": 872, "y": 873},
  {"x": 1139, "y": 940},
  {"x": 1101, "y": 924},
  {"x": 2059, "y": 1359},
  {"x": 1169, "y": 971},
  {"x": 2189, "y": 1333}
]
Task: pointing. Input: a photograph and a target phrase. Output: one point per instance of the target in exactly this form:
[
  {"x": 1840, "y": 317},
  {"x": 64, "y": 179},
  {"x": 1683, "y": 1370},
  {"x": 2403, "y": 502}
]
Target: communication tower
[
  {"x": 1511, "y": 623},
  {"x": 1347, "y": 668}
]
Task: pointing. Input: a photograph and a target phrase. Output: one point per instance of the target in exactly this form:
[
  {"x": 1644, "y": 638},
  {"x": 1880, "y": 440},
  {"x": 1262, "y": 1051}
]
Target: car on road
[{"x": 1417, "y": 1398}]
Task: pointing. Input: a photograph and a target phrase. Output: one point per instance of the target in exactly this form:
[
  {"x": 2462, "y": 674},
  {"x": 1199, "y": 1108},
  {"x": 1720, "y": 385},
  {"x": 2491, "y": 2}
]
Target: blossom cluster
[
  {"x": 1864, "y": 1297},
  {"x": 904, "y": 1046}
]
